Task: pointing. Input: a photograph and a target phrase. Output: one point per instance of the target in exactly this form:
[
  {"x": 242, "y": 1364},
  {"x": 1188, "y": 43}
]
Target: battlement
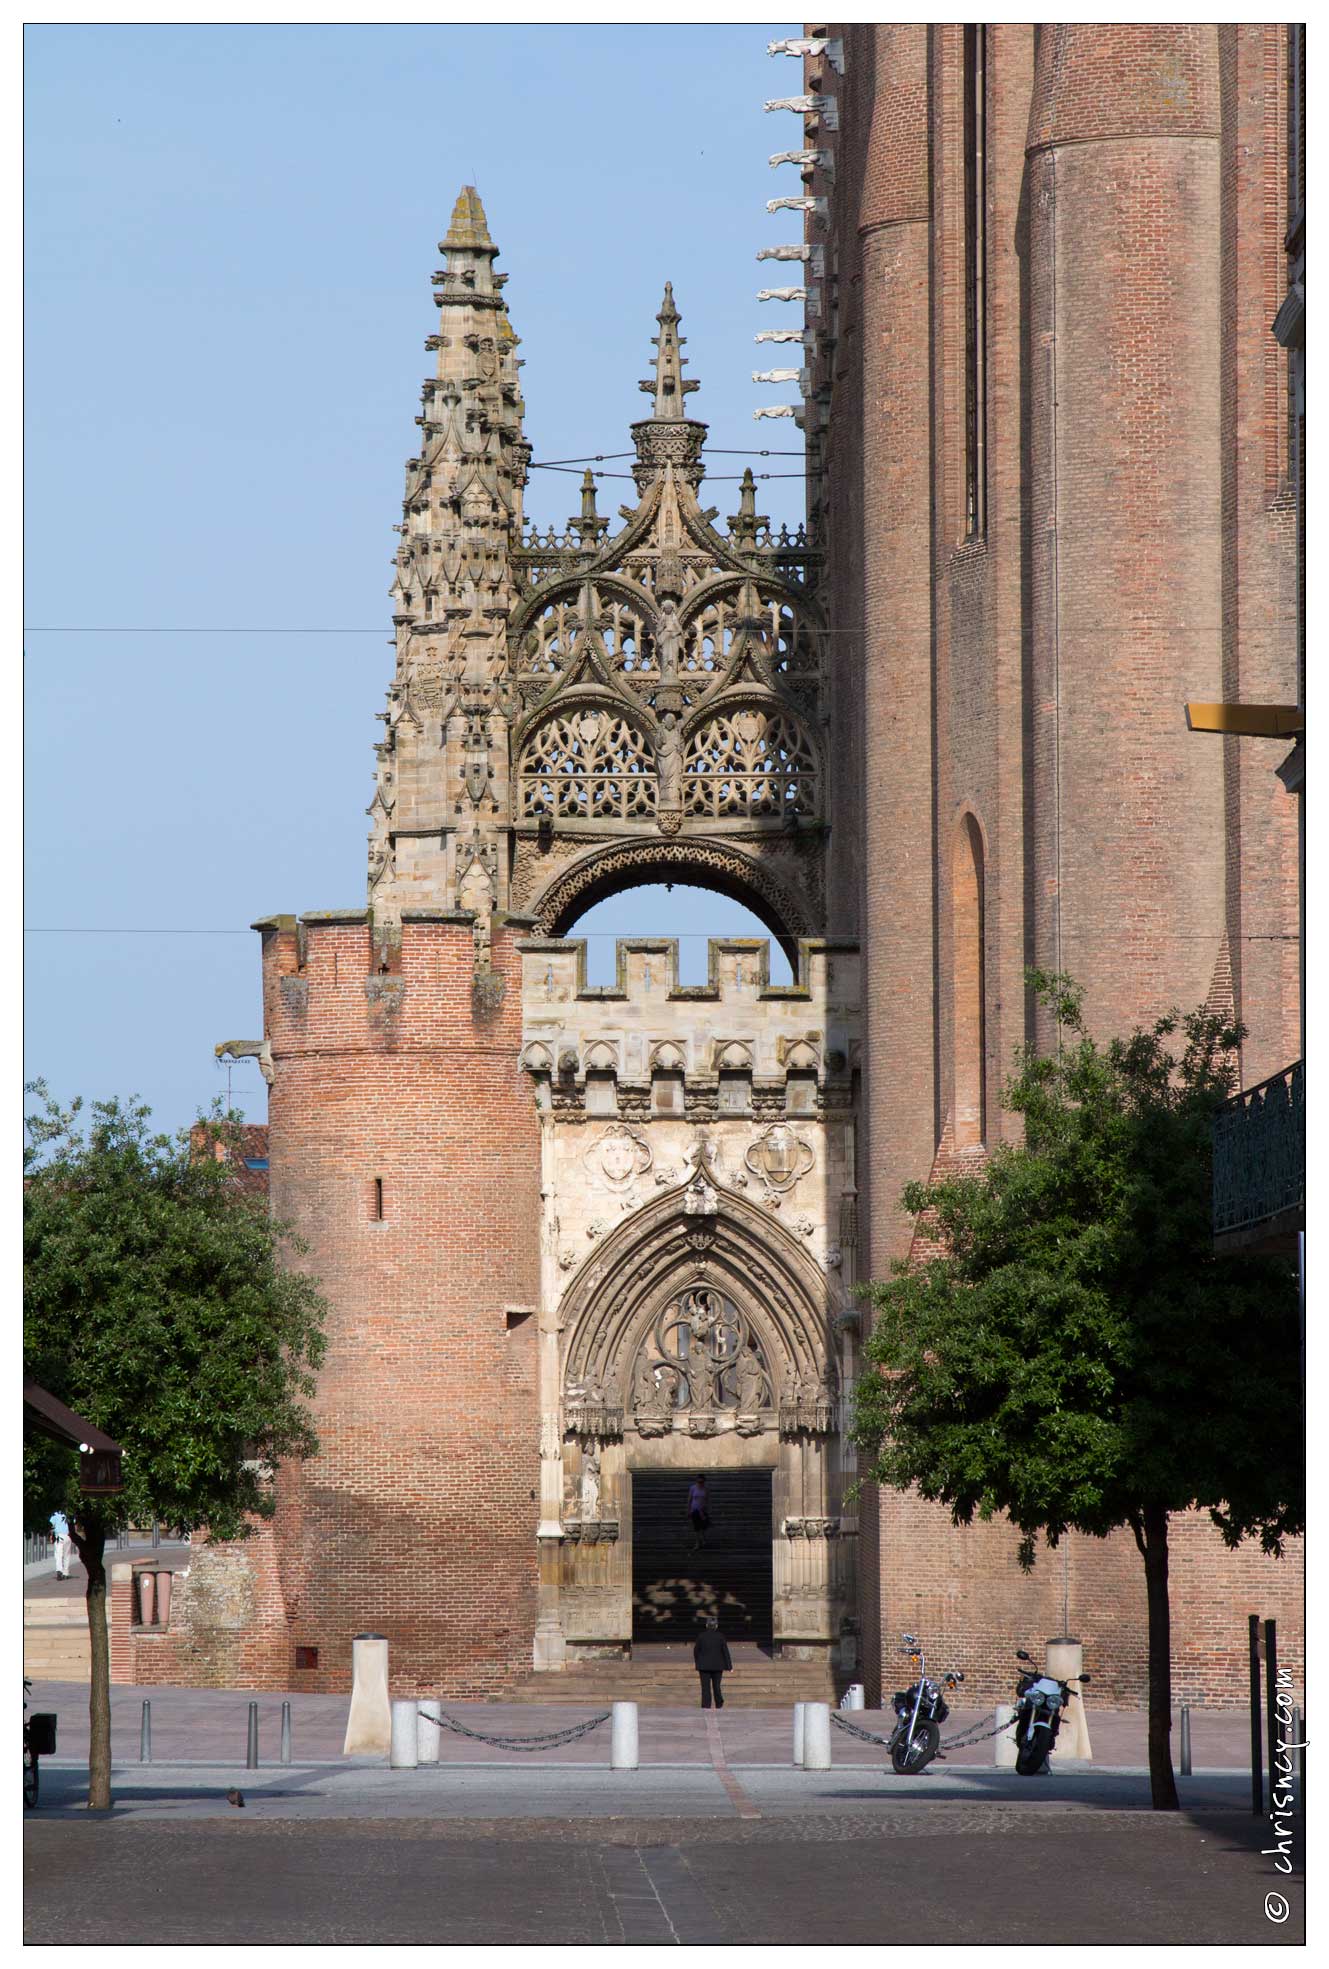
[
  {"x": 647, "y": 1028},
  {"x": 328, "y": 939}
]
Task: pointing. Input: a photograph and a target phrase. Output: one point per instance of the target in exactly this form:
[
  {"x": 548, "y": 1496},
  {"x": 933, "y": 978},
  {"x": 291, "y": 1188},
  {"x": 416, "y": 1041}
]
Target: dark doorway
[{"x": 675, "y": 1588}]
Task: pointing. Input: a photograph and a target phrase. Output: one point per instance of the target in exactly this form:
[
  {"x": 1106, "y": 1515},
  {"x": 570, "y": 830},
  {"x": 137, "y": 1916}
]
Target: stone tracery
[{"x": 562, "y": 692}]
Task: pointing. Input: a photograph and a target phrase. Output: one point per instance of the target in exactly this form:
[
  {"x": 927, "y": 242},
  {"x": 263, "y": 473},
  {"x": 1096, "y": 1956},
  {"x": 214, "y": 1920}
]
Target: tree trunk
[
  {"x": 1162, "y": 1783},
  {"x": 92, "y": 1550}
]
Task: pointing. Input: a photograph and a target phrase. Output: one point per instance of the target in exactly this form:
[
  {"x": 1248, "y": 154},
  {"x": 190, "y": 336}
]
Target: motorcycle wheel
[
  {"x": 907, "y": 1760},
  {"x": 1031, "y": 1758}
]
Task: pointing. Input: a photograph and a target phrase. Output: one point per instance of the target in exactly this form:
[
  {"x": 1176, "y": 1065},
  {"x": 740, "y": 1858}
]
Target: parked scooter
[
  {"x": 1040, "y": 1704},
  {"x": 920, "y": 1712}
]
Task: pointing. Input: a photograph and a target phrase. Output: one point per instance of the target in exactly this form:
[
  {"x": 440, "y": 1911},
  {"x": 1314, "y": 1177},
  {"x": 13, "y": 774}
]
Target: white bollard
[
  {"x": 855, "y": 1696},
  {"x": 428, "y": 1736},
  {"x": 404, "y": 1755},
  {"x": 1003, "y": 1744},
  {"x": 369, "y": 1724},
  {"x": 816, "y": 1736},
  {"x": 800, "y": 1712},
  {"x": 1065, "y": 1663},
  {"x": 623, "y": 1737}
]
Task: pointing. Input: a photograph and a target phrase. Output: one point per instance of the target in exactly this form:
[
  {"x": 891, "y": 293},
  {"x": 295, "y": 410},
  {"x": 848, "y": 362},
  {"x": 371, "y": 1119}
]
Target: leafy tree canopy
[
  {"x": 1073, "y": 1354},
  {"x": 157, "y": 1304}
]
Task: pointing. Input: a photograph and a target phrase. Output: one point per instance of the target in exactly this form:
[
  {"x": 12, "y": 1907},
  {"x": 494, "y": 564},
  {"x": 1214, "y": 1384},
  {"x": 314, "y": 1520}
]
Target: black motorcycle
[
  {"x": 920, "y": 1712},
  {"x": 1040, "y": 1704}
]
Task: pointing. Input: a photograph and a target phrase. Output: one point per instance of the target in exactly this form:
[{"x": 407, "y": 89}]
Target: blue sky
[{"x": 229, "y": 238}]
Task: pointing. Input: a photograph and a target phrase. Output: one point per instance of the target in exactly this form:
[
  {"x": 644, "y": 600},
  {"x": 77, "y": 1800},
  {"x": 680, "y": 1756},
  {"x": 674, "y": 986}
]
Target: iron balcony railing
[{"x": 1260, "y": 1152}]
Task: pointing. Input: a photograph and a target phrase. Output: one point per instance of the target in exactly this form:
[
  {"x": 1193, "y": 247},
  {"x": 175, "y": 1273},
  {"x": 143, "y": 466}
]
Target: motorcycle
[
  {"x": 1040, "y": 1704},
  {"x": 920, "y": 1712}
]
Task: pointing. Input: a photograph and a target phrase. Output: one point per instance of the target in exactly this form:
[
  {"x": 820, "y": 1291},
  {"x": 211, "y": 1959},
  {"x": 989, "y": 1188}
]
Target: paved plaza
[{"x": 715, "y": 1838}]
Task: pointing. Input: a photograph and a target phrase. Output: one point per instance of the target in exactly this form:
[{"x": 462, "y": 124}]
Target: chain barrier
[
  {"x": 975, "y": 1734},
  {"x": 546, "y": 1740}
]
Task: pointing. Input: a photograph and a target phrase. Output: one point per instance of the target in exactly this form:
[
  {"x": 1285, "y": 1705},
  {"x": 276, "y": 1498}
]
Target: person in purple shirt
[{"x": 698, "y": 1512}]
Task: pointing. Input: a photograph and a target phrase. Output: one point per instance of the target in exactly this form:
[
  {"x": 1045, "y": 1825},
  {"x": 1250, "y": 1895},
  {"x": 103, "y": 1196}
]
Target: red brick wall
[
  {"x": 417, "y": 1518},
  {"x": 1137, "y": 552},
  {"x": 974, "y": 1611}
]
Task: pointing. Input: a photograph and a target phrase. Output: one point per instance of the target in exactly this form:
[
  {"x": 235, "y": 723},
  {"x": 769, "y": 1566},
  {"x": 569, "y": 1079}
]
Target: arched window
[
  {"x": 968, "y": 1011},
  {"x": 587, "y": 765},
  {"x": 750, "y": 762}
]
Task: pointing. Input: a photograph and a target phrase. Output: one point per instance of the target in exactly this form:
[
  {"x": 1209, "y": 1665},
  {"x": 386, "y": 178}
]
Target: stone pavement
[
  {"x": 927, "y": 1875},
  {"x": 716, "y": 1839},
  {"x": 210, "y": 1725}
]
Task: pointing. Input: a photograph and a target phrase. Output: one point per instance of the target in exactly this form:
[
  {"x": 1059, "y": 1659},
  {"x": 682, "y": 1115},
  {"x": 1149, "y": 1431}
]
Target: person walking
[
  {"x": 710, "y": 1652},
  {"x": 64, "y": 1544},
  {"x": 698, "y": 1512}
]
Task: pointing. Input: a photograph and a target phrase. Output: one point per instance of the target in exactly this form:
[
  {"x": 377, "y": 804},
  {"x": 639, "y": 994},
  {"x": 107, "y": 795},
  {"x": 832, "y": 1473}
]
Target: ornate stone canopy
[{"x": 576, "y": 710}]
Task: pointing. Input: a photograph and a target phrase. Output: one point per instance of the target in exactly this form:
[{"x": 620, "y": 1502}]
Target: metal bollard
[
  {"x": 404, "y": 1753},
  {"x": 1298, "y": 1739},
  {"x": 1003, "y": 1744},
  {"x": 429, "y": 1735},
  {"x": 816, "y": 1736},
  {"x": 800, "y": 1713},
  {"x": 251, "y": 1752},
  {"x": 623, "y": 1754},
  {"x": 145, "y": 1734},
  {"x": 855, "y": 1697},
  {"x": 286, "y": 1733},
  {"x": 1185, "y": 1740}
]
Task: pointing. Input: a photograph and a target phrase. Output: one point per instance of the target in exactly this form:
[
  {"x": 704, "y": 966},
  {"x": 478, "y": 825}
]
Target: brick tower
[
  {"x": 1049, "y": 449},
  {"x": 574, "y": 1241}
]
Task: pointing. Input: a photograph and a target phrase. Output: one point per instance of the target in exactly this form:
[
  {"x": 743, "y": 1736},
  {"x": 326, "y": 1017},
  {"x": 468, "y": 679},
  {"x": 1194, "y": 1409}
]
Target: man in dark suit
[{"x": 710, "y": 1652}]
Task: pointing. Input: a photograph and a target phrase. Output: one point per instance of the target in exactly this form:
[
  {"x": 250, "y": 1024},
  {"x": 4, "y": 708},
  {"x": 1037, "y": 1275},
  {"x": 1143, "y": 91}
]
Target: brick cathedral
[{"x": 582, "y": 1243}]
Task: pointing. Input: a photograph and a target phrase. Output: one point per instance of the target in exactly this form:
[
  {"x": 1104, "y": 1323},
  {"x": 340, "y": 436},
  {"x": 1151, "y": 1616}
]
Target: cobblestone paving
[{"x": 928, "y": 1875}]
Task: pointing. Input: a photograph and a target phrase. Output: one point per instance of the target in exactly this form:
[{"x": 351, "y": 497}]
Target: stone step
[
  {"x": 56, "y": 1654},
  {"x": 64, "y": 1611},
  {"x": 768, "y": 1685}
]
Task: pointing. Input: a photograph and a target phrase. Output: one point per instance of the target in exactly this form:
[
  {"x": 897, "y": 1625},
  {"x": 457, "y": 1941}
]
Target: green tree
[
  {"x": 160, "y": 1303},
  {"x": 1075, "y": 1357}
]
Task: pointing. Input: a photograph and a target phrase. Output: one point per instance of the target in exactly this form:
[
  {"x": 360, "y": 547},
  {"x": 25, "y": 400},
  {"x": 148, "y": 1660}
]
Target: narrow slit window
[{"x": 376, "y": 1201}]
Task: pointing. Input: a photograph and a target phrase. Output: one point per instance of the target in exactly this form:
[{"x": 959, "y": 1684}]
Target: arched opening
[
  {"x": 968, "y": 981},
  {"x": 678, "y": 909},
  {"x": 694, "y": 891}
]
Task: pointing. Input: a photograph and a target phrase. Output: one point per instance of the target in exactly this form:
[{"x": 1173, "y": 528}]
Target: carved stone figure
[
  {"x": 668, "y": 638},
  {"x": 590, "y": 1486},
  {"x": 669, "y": 765},
  {"x": 750, "y": 1382},
  {"x": 653, "y": 1385}
]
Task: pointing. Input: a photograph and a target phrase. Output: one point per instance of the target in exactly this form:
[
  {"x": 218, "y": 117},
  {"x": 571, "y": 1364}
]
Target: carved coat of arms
[
  {"x": 779, "y": 1158},
  {"x": 618, "y": 1157}
]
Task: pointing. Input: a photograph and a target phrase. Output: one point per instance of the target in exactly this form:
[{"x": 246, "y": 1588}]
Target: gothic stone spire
[
  {"x": 669, "y": 436},
  {"x": 669, "y": 386},
  {"x": 442, "y": 775}
]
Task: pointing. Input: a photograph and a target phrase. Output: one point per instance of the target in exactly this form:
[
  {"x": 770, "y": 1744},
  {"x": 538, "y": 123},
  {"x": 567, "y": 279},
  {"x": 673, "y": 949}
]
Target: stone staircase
[
  {"x": 55, "y": 1639},
  {"x": 663, "y": 1676},
  {"x": 674, "y": 1587}
]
